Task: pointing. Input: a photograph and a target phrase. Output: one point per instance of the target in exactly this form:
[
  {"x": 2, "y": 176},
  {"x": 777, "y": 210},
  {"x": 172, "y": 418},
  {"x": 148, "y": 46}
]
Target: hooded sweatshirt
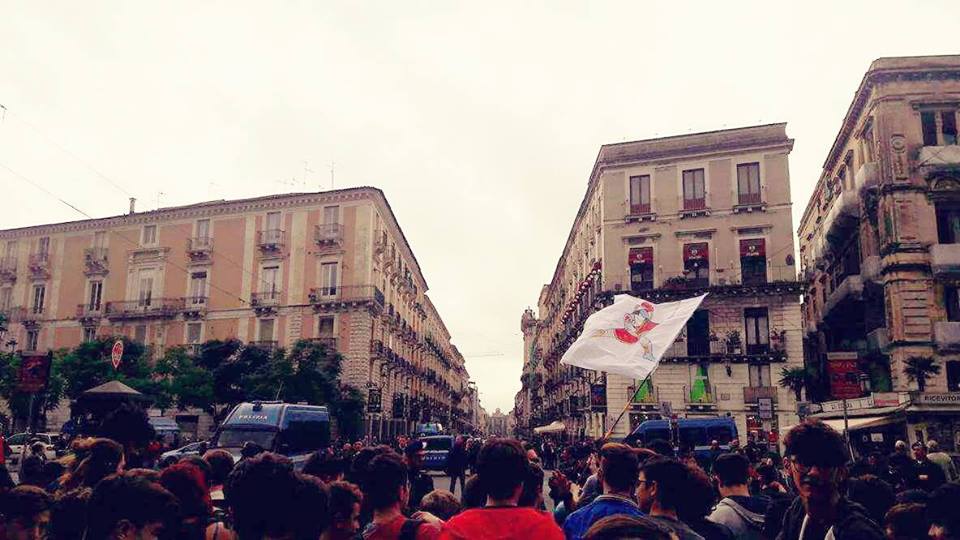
[
  {"x": 853, "y": 525},
  {"x": 743, "y": 515},
  {"x": 501, "y": 523}
]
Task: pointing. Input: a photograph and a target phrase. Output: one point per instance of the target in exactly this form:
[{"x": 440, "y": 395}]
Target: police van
[{"x": 289, "y": 429}]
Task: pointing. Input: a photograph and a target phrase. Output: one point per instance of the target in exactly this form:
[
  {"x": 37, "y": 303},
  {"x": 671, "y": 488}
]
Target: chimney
[{"x": 133, "y": 204}]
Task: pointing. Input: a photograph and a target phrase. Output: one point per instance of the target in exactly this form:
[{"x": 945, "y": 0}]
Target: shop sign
[
  {"x": 886, "y": 399},
  {"x": 876, "y": 437},
  {"x": 948, "y": 398},
  {"x": 852, "y": 404},
  {"x": 844, "y": 375},
  {"x": 765, "y": 408}
]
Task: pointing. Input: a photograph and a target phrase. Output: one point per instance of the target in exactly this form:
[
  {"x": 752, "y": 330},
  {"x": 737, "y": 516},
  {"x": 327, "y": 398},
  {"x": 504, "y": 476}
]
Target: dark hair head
[
  {"x": 323, "y": 465},
  {"x": 250, "y": 449},
  {"x": 532, "y": 493},
  {"x": 441, "y": 503},
  {"x": 767, "y": 474},
  {"x": 129, "y": 425},
  {"x": 221, "y": 463},
  {"x": 942, "y": 507},
  {"x": 918, "y": 496},
  {"x": 502, "y": 467},
  {"x": 124, "y": 497},
  {"x": 623, "y": 527},
  {"x": 199, "y": 463},
  {"x": 671, "y": 478},
  {"x": 814, "y": 443},
  {"x": 698, "y": 496},
  {"x": 187, "y": 483},
  {"x": 361, "y": 462},
  {"x": 102, "y": 457},
  {"x": 873, "y": 493},
  {"x": 473, "y": 494},
  {"x": 386, "y": 475},
  {"x": 619, "y": 466},
  {"x": 69, "y": 516},
  {"x": 907, "y": 521},
  {"x": 24, "y": 503},
  {"x": 311, "y": 507},
  {"x": 343, "y": 495},
  {"x": 731, "y": 469},
  {"x": 661, "y": 447},
  {"x": 260, "y": 492}
]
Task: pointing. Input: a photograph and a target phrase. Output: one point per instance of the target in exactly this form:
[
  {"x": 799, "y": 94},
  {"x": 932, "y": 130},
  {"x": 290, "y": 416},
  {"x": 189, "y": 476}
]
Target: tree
[
  {"x": 795, "y": 378},
  {"x": 920, "y": 368},
  {"x": 19, "y": 402},
  {"x": 348, "y": 411},
  {"x": 89, "y": 365}
]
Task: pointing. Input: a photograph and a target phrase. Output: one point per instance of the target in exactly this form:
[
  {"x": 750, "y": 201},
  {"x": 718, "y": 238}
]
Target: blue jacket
[{"x": 577, "y": 523}]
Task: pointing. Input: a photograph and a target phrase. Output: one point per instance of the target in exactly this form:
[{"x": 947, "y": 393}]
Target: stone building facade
[
  {"x": 880, "y": 252},
  {"x": 331, "y": 266},
  {"x": 665, "y": 219}
]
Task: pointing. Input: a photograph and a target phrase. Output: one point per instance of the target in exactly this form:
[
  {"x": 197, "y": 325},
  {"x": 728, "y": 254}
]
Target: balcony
[
  {"x": 265, "y": 302},
  {"x": 946, "y": 334},
  {"x": 945, "y": 259},
  {"x": 195, "y": 307},
  {"x": 14, "y": 314},
  {"x": 868, "y": 176},
  {"x": 270, "y": 240},
  {"x": 640, "y": 212},
  {"x": 264, "y": 344},
  {"x": 700, "y": 399},
  {"x": 328, "y": 234},
  {"x": 95, "y": 261},
  {"x": 937, "y": 160},
  {"x": 144, "y": 309},
  {"x": 329, "y": 343},
  {"x": 199, "y": 248},
  {"x": 851, "y": 288},
  {"x": 39, "y": 265},
  {"x": 751, "y": 394},
  {"x": 843, "y": 215},
  {"x": 749, "y": 202},
  {"x": 88, "y": 313},
  {"x": 717, "y": 350},
  {"x": 332, "y": 298},
  {"x": 694, "y": 207},
  {"x": 8, "y": 269}
]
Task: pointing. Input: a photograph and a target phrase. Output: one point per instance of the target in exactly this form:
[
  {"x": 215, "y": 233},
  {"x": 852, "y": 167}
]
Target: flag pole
[{"x": 627, "y": 406}]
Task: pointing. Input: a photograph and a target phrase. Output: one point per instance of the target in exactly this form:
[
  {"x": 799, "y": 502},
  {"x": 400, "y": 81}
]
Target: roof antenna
[{"x": 331, "y": 174}]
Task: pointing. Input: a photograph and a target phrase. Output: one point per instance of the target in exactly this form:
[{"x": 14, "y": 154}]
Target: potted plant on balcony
[
  {"x": 778, "y": 340},
  {"x": 920, "y": 368},
  {"x": 733, "y": 343},
  {"x": 795, "y": 379},
  {"x": 676, "y": 282}
]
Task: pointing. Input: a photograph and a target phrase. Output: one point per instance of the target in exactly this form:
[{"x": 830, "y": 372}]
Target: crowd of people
[{"x": 595, "y": 491}]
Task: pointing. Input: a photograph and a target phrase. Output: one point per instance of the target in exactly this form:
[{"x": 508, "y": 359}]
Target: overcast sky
[{"x": 480, "y": 121}]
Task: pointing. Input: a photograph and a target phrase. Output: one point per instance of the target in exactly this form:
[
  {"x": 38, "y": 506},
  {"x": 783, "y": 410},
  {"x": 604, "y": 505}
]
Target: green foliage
[
  {"x": 19, "y": 402},
  {"x": 920, "y": 368},
  {"x": 348, "y": 410},
  {"x": 88, "y": 365},
  {"x": 795, "y": 378}
]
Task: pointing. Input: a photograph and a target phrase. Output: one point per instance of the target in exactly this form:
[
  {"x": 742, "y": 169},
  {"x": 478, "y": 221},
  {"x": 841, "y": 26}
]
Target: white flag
[{"x": 630, "y": 336}]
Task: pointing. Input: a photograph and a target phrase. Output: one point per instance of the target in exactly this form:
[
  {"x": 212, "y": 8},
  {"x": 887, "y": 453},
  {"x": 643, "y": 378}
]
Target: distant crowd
[{"x": 106, "y": 488}]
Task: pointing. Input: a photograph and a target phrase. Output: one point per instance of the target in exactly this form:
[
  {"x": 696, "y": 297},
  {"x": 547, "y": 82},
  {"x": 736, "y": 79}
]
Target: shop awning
[
  {"x": 553, "y": 427},
  {"x": 857, "y": 423}
]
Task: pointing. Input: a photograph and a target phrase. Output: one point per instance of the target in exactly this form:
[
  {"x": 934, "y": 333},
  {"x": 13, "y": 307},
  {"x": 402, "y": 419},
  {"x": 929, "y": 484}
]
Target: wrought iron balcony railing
[
  {"x": 346, "y": 294},
  {"x": 266, "y": 298},
  {"x": 270, "y": 239},
  {"x": 328, "y": 233},
  {"x": 151, "y": 307}
]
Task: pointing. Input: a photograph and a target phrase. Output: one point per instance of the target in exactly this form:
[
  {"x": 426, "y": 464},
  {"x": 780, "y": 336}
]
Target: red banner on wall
[
  {"x": 642, "y": 255},
  {"x": 696, "y": 252},
  {"x": 755, "y": 247},
  {"x": 34, "y": 372},
  {"x": 844, "y": 375}
]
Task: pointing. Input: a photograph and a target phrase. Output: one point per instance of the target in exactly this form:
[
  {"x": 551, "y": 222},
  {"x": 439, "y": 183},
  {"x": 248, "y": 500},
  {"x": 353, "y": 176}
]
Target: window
[
  {"x": 99, "y": 239},
  {"x": 271, "y": 281},
  {"x": 948, "y": 224},
  {"x": 939, "y": 128},
  {"x": 694, "y": 190},
  {"x": 952, "y": 301},
  {"x": 698, "y": 333},
  {"x": 39, "y": 292},
  {"x": 696, "y": 264},
  {"x": 140, "y": 333},
  {"x": 953, "y": 376},
  {"x": 748, "y": 183},
  {"x": 759, "y": 375},
  {"x": 641, "y": 269},
  {"x": 325, "y": 327},
  {"x": 328, "y": 278},
  {"x": 194, "y": 331},
  {"x": 331, "y": 215},
  {"x": 11, "y": 249},
  {"x": 33, "y": 339},
  {"x": 203, "y": 228},
  {"x": 198, "y": 288},
  {"x": 148, "y": 236},
  {"x": 43, "y": 245},
  {"x": 89, "y": 333},
  {"x": 6, "y": 294},
  {"x": 266, "y": 330},
  {"x": 273, "y": 221},
  {"x": 753, "y": 261},
  {"x": 757, "y": 330},
  {"x": 96, "y": 295},
  {"x": 145, "y": 292},
  {"x": 640, "y": 194}
]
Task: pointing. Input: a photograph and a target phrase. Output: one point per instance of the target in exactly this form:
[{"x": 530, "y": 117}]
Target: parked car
[
  {"x": 438, "y": 449},
  {"x": 172, "y": 456},
  {"x": 52, "y": 442}
]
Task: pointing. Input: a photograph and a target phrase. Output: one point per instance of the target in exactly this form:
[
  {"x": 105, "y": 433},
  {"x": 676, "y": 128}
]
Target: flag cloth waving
[{"x": 630, "y": 336}]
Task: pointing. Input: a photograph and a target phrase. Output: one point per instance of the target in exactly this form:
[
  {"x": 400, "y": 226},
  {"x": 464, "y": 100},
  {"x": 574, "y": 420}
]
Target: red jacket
[{"x": 502, "y": 523}]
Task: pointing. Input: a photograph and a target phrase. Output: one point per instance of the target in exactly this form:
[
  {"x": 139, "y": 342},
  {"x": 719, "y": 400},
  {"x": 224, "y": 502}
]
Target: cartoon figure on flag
[{"x": 636, "y": 323}]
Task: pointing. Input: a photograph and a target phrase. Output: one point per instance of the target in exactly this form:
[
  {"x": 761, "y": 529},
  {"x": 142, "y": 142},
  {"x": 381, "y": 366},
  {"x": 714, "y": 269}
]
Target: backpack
[{"x": 408, "y": 531}]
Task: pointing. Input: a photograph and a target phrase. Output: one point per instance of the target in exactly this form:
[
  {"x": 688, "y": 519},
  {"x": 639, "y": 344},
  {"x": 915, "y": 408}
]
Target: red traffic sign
[{"x": 116, "y": 354}]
